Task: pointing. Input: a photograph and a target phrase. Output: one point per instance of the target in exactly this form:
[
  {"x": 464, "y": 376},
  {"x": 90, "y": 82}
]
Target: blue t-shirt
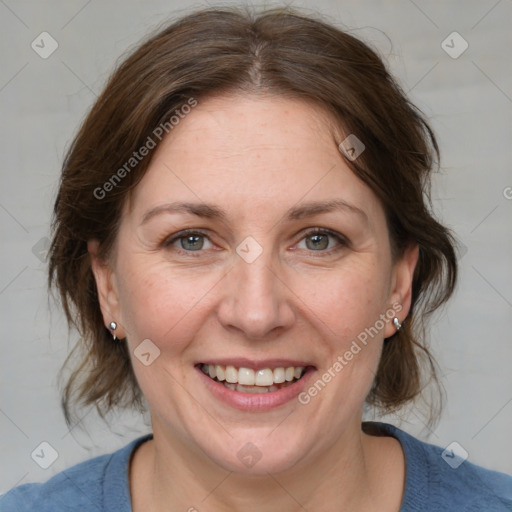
[{"x": 434, "y": 483}]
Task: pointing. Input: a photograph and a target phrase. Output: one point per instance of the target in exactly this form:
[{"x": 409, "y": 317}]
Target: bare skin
[
  {"x": 256, "y": 158},
  {"x": 385, "y": 474}
]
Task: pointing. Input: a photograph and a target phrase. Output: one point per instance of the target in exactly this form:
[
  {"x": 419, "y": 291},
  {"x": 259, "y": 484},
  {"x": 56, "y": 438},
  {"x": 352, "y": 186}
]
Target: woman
[{"x": 243, "y": 237}]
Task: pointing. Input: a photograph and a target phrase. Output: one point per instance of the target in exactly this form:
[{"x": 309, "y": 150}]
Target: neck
[{"x": 351, "y": 475}]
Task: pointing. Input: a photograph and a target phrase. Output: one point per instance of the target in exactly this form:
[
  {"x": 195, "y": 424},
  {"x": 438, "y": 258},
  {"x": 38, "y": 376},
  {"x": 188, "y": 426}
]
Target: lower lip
[{"x": 255, "y": 401}]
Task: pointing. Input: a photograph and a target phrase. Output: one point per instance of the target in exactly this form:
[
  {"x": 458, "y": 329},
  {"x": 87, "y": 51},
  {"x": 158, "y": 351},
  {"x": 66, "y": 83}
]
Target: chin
[{"x": 256, "y": 454}]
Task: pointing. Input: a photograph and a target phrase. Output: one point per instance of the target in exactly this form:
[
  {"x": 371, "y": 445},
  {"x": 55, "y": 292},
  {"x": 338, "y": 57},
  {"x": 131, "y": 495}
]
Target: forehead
[
  {"x": 266, "y": 152},
  {"x": 237, "y": 126}
]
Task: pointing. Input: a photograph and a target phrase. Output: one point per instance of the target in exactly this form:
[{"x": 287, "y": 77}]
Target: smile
[
  {"x": 255, "y": 386},
  {"x": 248, "y": 380}
]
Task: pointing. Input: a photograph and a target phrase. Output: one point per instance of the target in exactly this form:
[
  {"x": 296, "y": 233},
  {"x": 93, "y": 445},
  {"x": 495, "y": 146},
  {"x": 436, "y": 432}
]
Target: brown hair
[{"x": 229, "y": 50}]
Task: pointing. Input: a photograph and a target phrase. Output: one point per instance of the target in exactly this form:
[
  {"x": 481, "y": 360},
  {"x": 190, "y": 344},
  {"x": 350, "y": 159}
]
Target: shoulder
[
  {"x": 72, "y": 489},
  {"x": 78, "y": 486},
  {"x": 442, "y": 479},
  {"x": 89, "y": 485}
]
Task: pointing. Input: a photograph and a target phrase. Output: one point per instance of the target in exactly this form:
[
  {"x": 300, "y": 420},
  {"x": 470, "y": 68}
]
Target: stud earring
[
  {"x": 113, "y": 327},
  {"x": 397, "y": 324}
]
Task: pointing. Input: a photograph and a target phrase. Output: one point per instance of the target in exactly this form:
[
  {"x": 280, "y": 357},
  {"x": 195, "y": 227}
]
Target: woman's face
[{"x": 286, "y": 264}]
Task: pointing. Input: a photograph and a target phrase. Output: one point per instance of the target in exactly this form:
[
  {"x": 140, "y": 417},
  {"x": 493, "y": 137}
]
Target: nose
[{"x": 256, "y": 300}]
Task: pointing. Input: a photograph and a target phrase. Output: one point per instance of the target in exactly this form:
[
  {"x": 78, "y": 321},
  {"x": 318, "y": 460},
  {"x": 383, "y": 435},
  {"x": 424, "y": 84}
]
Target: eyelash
[{"x": 342, "y": 241}]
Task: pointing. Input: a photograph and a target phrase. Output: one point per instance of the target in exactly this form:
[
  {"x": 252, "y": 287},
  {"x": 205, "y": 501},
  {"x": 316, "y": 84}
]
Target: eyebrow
[{"x": 209, "y": 211}]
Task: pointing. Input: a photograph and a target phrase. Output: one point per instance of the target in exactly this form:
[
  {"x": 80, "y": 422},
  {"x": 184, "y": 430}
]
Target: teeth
[
  {"x": 264, "y": 377},
  {"x": 279, "y": 375},
  {"x": 255, "y": 389},
  {"x": 220, "y": 371},
  {"x": 246, "y": 377},
  {"x": 240, "y": 377},
  {"x": 231, "y": 374}
]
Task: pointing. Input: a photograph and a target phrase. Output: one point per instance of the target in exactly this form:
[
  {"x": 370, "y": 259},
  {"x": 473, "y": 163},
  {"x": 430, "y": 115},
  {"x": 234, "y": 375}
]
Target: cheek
[
  {"x": 345, "y": 301},
  {"x": 160, "y": 304}
]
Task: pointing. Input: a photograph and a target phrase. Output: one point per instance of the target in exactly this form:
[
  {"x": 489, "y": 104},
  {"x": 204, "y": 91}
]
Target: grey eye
[
  {"x": 317, "y": 242},
  {"x": 192, "y": 242},
  {"x": 320, "y": 240}
]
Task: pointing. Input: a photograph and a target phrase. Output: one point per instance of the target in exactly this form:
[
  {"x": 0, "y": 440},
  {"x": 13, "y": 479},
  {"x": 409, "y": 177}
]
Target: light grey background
[{"x": 468, "y": 99}]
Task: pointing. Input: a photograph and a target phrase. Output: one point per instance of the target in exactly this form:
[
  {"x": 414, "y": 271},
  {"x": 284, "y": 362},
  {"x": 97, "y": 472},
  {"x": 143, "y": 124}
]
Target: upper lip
[{"x": 243, "y": 362}]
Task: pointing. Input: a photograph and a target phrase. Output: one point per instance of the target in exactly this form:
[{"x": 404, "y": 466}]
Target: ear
[
  {"x": 401, "y": 286},
  {"x": 107, "y": 291}
]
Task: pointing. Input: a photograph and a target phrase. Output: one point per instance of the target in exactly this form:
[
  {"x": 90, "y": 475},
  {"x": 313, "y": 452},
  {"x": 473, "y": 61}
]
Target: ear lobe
[
  {"x": 401, "y": 291},
  {"x": 105, "y": 284}
]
